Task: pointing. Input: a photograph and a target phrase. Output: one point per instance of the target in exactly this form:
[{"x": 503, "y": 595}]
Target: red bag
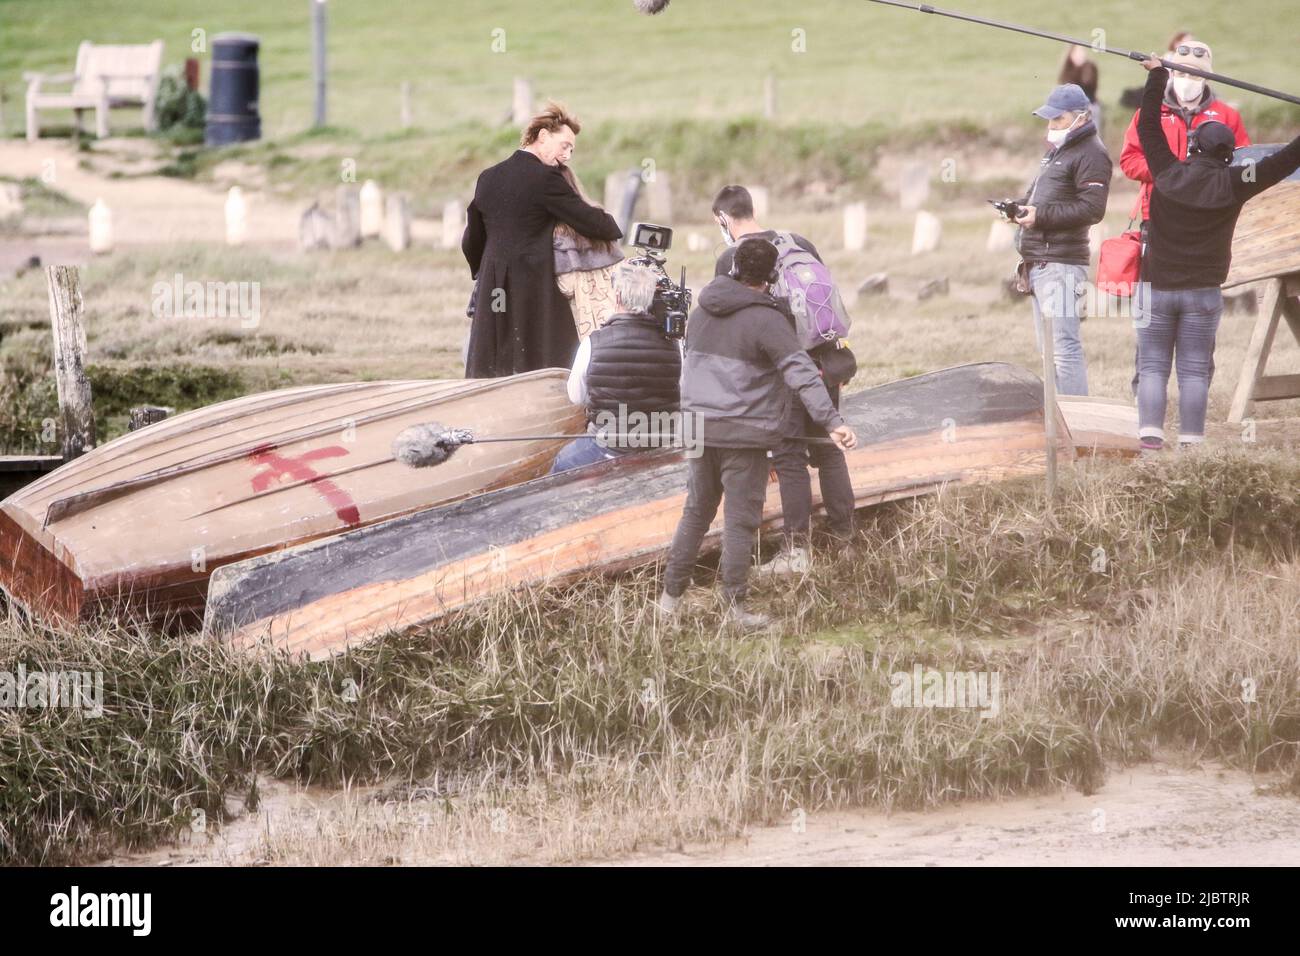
[{"x": 1120, "y": 265}]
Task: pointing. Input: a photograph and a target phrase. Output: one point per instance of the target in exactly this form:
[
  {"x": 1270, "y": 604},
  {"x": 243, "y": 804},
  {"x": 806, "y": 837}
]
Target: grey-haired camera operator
[
  {"x": 742, "y": 368},
  {"x": 626, "y": 369}
]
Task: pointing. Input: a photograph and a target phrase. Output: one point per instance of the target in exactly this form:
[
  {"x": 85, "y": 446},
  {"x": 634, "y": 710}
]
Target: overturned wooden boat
[
  {"x": 970, "y": 423},
  {"x": 138, "y": 524},
  {"x": 16, "y": 471},
  {"x": 1101, "y": 427}
]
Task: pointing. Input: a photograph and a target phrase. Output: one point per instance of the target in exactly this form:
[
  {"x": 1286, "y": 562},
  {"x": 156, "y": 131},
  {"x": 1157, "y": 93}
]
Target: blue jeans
[
  {"x": 1058, "y": 291},
  {"x": 579, "y": 452},
  {"x": 1178, "y": 330}
]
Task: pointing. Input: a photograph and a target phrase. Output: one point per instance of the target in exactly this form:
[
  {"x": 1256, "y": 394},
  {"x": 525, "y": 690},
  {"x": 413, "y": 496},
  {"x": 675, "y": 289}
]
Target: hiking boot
[
  {"x": 667, "y": 605},
  {"x": 745, "y": 620},
  {"x": 788, "y": 563}
]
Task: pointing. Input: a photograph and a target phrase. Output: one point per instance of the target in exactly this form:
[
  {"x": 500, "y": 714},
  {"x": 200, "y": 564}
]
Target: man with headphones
[
  {"x": 743, "y": 365},
  {"x": 1195, "y": 203}
]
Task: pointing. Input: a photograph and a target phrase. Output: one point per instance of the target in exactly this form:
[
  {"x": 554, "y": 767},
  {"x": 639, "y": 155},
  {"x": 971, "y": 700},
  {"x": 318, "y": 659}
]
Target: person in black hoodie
[
  {"x": 742, "y": 368},
  {"x": 1194, "y": 208}
]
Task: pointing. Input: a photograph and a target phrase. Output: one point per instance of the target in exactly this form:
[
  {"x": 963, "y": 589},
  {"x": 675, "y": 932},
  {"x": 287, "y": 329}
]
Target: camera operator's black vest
[{"x": 635, "y": 365}]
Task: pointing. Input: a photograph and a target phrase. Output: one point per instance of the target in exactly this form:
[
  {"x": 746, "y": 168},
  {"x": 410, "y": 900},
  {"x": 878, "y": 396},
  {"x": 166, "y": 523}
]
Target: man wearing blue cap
[{"x": 1066, "y": 197}]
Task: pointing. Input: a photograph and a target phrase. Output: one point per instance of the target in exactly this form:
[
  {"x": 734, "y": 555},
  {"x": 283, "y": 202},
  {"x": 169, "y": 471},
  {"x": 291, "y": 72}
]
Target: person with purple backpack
[
  {"x": 742, "y": 368},
  {"x": 806, "y": 293}
]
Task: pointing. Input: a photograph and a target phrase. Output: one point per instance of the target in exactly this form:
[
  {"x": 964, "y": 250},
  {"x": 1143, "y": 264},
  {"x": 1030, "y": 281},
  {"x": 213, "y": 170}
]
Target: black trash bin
[{"x": 232, "y": 98}]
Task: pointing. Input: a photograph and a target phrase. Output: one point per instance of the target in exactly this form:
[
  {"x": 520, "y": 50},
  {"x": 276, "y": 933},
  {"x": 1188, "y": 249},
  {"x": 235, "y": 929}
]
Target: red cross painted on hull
[{"x": 297, "y": 468}]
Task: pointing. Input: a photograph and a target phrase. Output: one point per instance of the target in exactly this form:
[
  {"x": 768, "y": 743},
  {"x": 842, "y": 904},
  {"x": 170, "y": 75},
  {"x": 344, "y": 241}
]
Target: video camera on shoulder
[{"x": 672, "y": 301}]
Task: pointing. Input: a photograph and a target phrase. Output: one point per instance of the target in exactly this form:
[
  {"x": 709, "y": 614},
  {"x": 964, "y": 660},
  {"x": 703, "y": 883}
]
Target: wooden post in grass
[
  {"x": 76, "y": 413},
  {"x": 318, "y": 59},
  {"x": 406, "y": 104},
  {"x": 521, "y": 105},
  {"x": 1049, "y": 401}
]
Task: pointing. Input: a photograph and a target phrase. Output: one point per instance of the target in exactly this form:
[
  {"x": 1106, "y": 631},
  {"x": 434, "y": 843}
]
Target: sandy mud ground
[{"x": 1166, "y": 813}]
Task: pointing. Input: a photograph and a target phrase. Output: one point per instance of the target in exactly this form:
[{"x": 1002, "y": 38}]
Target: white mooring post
[
  {"x": 855, "y": 226},
  {"x": 927, "y": 233},
  {"x": 371, "y": 209},
  {"x": 397, "y": 223},
  {"x": 453, "y": 224},
  {"x": 101, "y": 228}
]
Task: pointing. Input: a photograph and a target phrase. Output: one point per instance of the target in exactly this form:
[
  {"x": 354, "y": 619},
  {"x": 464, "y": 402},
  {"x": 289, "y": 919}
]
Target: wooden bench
[{"x": 105, "y": 77}]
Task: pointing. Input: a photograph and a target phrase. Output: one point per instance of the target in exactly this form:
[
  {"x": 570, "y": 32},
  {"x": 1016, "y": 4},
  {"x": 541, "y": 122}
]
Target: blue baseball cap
[{"x": 1069, "y": 97}]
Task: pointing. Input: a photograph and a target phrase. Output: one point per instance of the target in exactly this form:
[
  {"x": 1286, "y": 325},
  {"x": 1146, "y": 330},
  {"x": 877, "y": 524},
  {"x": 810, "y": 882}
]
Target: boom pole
[{"x": 1061, "y": 38}]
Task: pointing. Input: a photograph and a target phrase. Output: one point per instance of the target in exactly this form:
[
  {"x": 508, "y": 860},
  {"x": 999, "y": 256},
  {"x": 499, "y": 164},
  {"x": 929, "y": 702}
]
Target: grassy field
[
  {"x": 690, "y": 99},
  {"x": 698, "y": 60}
]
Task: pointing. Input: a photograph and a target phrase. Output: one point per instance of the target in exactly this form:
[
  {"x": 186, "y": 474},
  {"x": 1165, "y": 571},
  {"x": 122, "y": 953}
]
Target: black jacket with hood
[
  {"x": 1069, "y": 194},
  {"x": 741, "y": 354},
  {"x": 1195, "y": 203}
]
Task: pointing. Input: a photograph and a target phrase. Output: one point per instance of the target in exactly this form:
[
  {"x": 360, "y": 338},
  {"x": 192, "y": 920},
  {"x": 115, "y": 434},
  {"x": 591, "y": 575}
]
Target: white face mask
[
  {"x": 1188, "y": 88},
  {"x": 1057, "y": 136},
  {"x": 726, "y": 233}
]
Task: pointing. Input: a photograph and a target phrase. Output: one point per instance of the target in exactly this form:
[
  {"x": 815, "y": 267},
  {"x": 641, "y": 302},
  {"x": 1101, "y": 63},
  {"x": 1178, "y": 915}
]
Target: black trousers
[
  {"x": 791, "y": 460},
  {"x": 736, "y": 478}
]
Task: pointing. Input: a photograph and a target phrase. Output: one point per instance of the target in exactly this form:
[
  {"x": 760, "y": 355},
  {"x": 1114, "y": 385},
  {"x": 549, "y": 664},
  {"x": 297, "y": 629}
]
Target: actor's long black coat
[{"x": 521, "y": 319}]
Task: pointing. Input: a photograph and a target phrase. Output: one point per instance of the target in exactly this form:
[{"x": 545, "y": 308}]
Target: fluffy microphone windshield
[
  {"x": 650, "y": 7},
  {"x": 421, "y": 446}
]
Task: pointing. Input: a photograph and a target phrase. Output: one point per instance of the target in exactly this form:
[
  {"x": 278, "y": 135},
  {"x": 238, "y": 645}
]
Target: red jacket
[{"x": 1134, "y": 162}]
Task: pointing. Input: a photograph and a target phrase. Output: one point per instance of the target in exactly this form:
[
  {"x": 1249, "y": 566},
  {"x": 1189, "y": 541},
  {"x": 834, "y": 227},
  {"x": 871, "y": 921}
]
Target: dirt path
[
  {"x": 148, "y": 209},
  {"x": 1153, "y": 815},
  {"x": 1158, "y": 814}
]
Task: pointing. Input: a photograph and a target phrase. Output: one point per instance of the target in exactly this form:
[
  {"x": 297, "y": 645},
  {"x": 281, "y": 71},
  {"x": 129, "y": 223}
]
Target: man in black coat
[{"x": 521, "y": 319}]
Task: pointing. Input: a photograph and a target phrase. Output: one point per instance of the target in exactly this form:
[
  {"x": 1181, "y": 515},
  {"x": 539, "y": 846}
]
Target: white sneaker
[
  {"x": 668, "y": 605},
  {"x": 745, "y": 620},
  {"x": 787, "y": 563}
]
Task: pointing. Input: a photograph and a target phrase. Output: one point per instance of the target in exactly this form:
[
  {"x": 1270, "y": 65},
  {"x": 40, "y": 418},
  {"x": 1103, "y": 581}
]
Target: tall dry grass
[{"x": 572, "y": 721}]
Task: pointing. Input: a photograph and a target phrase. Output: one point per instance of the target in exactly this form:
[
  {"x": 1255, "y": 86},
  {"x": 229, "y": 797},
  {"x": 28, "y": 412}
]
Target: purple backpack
[{"x": 820, "y": 316}]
